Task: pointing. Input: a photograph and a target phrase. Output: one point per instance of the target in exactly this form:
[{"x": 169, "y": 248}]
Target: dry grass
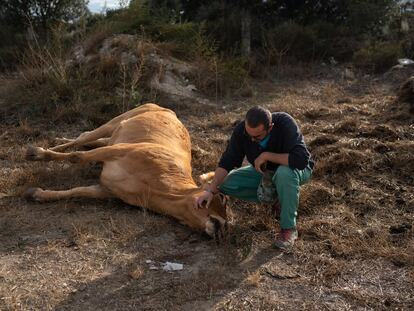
[
  {"x": 254, "y": 278},
  {"x": 355, "y": 250}
]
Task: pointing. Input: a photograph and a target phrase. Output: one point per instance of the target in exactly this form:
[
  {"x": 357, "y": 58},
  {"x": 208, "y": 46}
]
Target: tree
[
  {"x": 252, "y": 17},
  {"x": 40, "y": 13}
]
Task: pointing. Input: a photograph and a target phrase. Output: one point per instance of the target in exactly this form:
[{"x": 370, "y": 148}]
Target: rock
[
  {"x": 397, "y": 67},
  {"x": 406, "y": 91},
  {"x": 348, "y": 74},
  {"x": 168, "y": 76}
]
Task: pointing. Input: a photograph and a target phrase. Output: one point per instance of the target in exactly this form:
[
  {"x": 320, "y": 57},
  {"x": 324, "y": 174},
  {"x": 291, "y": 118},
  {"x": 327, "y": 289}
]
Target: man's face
[{"x": 256, "y": 134}]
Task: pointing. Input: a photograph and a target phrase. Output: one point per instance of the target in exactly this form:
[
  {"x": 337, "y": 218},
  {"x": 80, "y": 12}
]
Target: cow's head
[{"x": 216, "y": 225}]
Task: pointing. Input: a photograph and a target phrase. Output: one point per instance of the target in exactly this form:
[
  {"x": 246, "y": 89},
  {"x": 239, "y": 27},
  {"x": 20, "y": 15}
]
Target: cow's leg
[
  {"x": 93, "y": 192},
  {"x": 101, "y": 142},
  {"x": 86, "y": 138},
  {"x": 106, "y": 130},
  {"x": 96, "y": 155}
]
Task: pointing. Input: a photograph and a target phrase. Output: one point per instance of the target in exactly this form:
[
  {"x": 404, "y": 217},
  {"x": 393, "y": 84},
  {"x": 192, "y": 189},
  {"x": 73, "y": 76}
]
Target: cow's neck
[{"x": 184, "y": 193}]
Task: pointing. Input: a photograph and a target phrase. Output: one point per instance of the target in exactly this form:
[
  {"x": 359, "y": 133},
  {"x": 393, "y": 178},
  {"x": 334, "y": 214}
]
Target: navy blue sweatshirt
[{"x": 285, "y": 137}]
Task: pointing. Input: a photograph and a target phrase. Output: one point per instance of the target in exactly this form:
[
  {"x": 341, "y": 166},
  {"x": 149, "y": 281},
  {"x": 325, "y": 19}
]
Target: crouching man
[{"x": 279, "y": 164}]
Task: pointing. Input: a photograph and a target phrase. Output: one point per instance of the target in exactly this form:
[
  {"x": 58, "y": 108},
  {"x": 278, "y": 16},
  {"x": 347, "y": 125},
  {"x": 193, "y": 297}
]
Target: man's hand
[
  {"x": 260, "y": 161},
  {"x": 206, "y": 196}
]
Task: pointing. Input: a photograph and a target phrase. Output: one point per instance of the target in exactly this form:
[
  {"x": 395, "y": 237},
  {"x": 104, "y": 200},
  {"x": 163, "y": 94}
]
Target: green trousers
[{"x": 242, "y": 183}]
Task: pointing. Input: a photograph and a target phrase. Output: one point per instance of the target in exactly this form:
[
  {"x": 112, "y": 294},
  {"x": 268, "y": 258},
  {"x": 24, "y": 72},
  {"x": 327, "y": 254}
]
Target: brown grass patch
[{"x": 351, "y": 250}]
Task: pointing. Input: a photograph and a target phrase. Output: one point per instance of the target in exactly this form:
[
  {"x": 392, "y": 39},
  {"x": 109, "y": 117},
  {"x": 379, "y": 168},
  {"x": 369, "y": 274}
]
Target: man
[{"x": 272, "y": 144}]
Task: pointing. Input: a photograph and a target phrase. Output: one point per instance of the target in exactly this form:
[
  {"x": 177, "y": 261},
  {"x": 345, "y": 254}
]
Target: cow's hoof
[
  {"x": 30, "y": 194},
  {"x": 34, "y": 153}
]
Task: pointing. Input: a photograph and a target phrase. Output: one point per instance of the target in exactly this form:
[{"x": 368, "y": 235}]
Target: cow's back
[{"x": 156, "y": 125}]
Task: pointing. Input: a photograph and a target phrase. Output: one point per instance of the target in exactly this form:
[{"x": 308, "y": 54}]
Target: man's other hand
[{"x": 260, "y": 162}]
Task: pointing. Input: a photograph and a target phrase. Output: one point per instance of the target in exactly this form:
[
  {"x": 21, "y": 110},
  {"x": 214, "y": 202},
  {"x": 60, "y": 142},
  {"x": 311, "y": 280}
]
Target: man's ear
[{"x": 270, "y": 127}]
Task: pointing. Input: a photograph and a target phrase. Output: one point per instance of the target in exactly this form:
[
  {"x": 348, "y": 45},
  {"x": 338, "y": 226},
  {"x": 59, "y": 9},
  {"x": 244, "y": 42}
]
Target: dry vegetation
[{"x": 355, "y": 250}]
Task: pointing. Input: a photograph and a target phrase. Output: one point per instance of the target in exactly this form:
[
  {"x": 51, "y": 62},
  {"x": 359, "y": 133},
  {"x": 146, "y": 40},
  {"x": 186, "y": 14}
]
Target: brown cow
[{"x": 146, "y": 155}]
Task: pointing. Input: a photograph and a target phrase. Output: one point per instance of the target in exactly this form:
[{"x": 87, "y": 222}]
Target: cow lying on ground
[{"x": 146, "y": 155}]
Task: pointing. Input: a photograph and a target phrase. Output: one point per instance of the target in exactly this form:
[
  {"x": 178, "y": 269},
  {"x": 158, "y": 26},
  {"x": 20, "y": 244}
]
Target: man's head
[{"x": 258, "y": 123}]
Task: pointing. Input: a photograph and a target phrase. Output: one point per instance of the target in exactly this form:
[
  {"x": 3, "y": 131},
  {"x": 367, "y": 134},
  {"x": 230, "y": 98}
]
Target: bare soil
[{"x": 355, "y": 250}]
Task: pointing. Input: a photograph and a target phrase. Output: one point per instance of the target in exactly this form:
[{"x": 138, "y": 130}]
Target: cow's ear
[{"x": 205, "y": 179}]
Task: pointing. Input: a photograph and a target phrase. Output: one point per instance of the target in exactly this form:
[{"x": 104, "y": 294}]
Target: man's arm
[
  {"x": 294, "y": 144},
  {"x": 219, "y": 176},
  {"x": 231, "y": 158},
  {"x": 278, "y": 158}
]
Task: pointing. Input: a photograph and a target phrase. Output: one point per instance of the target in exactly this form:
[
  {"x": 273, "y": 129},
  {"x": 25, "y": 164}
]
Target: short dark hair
[{"x": 258, "y": 115}]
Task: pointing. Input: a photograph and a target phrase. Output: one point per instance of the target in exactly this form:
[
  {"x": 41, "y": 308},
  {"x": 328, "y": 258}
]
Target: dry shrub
[
  {"x": 402, "y": 158},
  {"x": 342, "y": 237},
  {"x": 205, "y": 160},
  {"x": 313, "y": 197},
  {"x": 347, "y": 126},
  {"x": 254, "y": 278},
  {"x": 26, "y": 132},
  {"x": 50, "y": 81},
  {"x": 223, "y": 122},
  {"x": 323, "y": 268},
  {"x": 318, "y": 113},
  {"x": 68, "y": 114},
  {"x": 219, "y": 77},
  {"x": 42, "y": 82},
  {"x": 93, "y": 41},
  {"x": 382, "y": 132},
  {"x": 122, "y": 230},
  {"x": 342, "y": 161},
  {"x": 406, "y": 92},
  {"x": 136, "y": 273},
  {"x": 323, "y": 140},
  {"x": 379, "y": 57},
  {"x": 205, "y": 76}
]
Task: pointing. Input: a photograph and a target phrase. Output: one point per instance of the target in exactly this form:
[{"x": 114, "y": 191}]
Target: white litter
[
  {"x": 166, "y": 266},
  {"x": 405, "y": 61},
  {"x": 172, "y": 266}
]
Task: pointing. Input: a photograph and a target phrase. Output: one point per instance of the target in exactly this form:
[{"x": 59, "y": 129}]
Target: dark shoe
[{"x": 286, "y": 239}]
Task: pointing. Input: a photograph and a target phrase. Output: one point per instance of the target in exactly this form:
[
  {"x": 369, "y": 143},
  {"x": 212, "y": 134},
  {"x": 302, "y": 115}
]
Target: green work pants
[{"x": 242, "y": 183}]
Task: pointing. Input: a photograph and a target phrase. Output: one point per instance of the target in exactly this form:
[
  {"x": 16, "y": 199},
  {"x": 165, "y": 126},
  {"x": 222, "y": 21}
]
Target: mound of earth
[{"x": 166, "y": 75}]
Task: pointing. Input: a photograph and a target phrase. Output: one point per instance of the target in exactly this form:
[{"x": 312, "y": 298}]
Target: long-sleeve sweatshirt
[{"x": 285, "y": 137}]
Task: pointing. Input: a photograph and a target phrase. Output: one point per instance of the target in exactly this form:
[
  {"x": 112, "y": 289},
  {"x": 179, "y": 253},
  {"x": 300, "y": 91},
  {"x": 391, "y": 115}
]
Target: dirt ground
[{"x": 355, "y": 250}]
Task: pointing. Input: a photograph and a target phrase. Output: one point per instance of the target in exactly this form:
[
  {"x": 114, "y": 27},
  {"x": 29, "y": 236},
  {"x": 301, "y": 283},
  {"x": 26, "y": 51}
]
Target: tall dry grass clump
[{"x": 66, "y": 83}]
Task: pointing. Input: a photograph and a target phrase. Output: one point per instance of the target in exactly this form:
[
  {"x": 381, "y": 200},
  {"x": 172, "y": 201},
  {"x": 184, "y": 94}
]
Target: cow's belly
[{"x": 133, "y": 187}]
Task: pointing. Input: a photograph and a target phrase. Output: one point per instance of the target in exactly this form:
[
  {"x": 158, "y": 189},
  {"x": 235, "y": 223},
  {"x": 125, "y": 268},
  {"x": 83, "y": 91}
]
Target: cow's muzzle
[{"x": 217, "y": 228}]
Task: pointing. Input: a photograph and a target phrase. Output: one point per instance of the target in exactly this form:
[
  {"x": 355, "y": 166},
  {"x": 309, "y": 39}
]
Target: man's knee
[{"x": 285, "y": 174}]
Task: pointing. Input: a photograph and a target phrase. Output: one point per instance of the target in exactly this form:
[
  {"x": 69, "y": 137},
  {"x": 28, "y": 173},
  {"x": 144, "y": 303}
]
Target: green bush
[
  {"x": 378, "y": 57},
  {"x": 408, "y": 46},
  {"x": 131, "y": 20},
  {"x": 183, "y": 36},
  {"x": 290, "y": 40},
  {"x": 233, "y": 73},
  {"x": 333, "y": 40}
]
